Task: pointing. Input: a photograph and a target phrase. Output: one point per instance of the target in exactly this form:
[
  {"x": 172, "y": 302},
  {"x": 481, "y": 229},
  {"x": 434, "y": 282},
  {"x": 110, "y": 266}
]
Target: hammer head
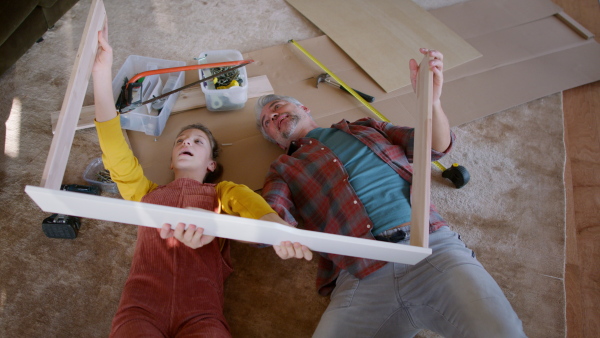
[{"x": 322, "y": 78}]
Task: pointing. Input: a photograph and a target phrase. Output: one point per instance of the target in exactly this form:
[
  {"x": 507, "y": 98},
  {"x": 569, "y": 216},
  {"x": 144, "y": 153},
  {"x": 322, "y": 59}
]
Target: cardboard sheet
[
  {"x": 378, "y": 33},
  {"x": 529, "y": 54},
  {"x": 484, "y": 17}
]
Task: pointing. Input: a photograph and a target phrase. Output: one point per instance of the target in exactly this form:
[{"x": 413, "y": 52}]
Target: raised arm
[
  {"x": 440, "y": 127},
  {"x": 102, "y": 79},
  {"x": 116, "y": 154}
]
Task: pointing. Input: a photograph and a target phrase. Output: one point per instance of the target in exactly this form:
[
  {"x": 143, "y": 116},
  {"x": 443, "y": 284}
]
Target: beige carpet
[{"x": 511, "y": 213}]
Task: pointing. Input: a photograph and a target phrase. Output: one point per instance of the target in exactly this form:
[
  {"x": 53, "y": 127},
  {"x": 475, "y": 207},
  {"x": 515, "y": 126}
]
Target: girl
[{"x": 175, "y": 285}]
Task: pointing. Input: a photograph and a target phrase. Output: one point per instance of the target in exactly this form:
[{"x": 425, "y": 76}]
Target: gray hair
[{"x": 262, "y": 102}]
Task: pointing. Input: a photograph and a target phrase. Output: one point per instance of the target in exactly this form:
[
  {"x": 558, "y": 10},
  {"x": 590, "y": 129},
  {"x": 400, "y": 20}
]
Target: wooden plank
[
  {"x": 587, "y": 214},
  {"x": 582, "y": 142},
  {"x": 517, "y": 44},
  {"x": 60, "y": 148},
  {"x": 580, "y": 109},
  {"x": 376, "y": 34},
  {"x": 224, "y": 226},
  {"x": 420, "y": 199},
  {"x": 190, "y": 98},
  {"x": 574, "y": 25},
  {"x": 537, "y": 77},
  {"x": 483, "y": 17}
]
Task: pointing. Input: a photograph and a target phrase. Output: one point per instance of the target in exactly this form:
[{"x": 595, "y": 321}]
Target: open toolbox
[
  {"x": 223, "y": 99},
  {"x": 152, "y": 117}
]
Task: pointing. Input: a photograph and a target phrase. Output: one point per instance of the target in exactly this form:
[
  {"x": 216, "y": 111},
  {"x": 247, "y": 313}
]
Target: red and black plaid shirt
[{"x": 310, "y": 182}]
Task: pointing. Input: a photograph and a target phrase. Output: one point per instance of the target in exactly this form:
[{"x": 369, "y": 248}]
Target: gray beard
[{"x": 293, "y": 122}]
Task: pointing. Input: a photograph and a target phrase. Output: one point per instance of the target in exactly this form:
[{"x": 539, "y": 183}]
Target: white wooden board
[{"x": 224, "y": 226}]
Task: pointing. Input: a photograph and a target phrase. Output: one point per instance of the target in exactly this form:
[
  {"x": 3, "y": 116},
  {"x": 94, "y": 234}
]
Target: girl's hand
[
  {"x": 104, "y": 55},
  {"x": 193, "y": 236}
]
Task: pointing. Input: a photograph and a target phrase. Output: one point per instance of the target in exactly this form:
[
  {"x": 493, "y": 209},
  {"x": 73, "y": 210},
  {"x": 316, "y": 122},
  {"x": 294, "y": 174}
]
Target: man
[{"x": 326, "y": 179}]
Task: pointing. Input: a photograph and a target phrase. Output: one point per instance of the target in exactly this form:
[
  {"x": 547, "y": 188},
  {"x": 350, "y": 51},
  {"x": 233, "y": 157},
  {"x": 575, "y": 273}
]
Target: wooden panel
[
  {"x": 58, "y": 156},
  {"x": 582, "y": 142},
  {"x": 382, "y": 35},
  {"x": 190, "y": 98},
  {"x": 420, "y": 199},
  {"x": 581, "y": 272},
  {"x": 483, "y": 16},
  {"x": 537, "y": 78},
  {"x": 580, "y": 106},
  {"x": 574, "y": 25},
  {"x": 224, "y": 226}
]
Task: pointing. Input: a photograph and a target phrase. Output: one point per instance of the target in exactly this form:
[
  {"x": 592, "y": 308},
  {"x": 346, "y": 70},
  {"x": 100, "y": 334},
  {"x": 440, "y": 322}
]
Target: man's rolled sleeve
[{"x": 277, "y": 193}]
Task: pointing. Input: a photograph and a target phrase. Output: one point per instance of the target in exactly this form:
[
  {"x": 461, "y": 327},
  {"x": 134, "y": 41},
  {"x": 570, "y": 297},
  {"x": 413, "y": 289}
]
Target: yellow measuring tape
[{"x": 350, "y": 90}]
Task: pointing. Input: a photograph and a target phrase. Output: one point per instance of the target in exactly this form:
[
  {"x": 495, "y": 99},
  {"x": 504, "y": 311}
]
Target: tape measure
[{"x": 342, "y": 83}]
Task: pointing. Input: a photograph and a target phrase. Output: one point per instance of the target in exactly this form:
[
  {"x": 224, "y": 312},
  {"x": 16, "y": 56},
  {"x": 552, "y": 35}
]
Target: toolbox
[
  {"x": 146, "y": 118},
  {"x": 231, "y": 98}
]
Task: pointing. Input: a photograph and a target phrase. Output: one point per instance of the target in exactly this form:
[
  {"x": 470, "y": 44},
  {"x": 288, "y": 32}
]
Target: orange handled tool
[{"x": 192, "y": 67}]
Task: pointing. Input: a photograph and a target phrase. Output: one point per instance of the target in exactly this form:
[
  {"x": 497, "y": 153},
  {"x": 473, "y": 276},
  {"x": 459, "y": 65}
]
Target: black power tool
[{"x": 65, "y": 226}]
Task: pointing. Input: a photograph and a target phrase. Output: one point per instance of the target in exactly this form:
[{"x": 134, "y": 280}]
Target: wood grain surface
[
  {"x": 582, "y": 184},
  {"x": 381, "y": 32}
]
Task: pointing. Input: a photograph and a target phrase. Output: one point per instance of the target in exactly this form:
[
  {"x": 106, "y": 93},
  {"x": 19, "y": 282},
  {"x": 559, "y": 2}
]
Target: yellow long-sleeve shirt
[{"x": 125, "y": 170}]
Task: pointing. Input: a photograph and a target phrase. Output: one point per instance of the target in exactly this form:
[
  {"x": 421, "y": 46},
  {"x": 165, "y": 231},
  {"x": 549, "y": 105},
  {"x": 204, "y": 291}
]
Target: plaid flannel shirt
[{"x": 310, "y": 183}]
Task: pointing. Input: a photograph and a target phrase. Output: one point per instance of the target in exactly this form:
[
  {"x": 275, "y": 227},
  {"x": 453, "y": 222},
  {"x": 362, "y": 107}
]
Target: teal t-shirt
[{"x": 372, "y": 181}]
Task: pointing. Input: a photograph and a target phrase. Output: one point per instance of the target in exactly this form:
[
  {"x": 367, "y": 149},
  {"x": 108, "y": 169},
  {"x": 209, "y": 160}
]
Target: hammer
[{"x": 325, "y": 78}]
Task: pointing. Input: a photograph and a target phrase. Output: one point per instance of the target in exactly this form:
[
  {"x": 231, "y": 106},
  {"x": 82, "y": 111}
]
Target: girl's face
[{"x": 192, "y": 153}]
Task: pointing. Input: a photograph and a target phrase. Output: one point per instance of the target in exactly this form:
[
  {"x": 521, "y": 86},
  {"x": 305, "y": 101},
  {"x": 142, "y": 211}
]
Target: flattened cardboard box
[{"x": 528, "y": 53}]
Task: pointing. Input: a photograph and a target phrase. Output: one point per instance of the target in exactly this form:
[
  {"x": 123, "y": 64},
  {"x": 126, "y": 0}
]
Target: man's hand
[
  {"x": 440, "y": 127},
  {"x": 287, "y": 249},
  {"x": 193, "y": 236},
  {"x": 436, "y": 65}
]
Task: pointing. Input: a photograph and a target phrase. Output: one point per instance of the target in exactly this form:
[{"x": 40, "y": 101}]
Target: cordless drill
[{"x": 65, "y": 226}]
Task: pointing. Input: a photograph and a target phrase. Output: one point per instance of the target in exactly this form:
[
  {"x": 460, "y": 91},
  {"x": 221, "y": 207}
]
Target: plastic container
[
  {"x": 169, "y": 86},
  {"x": 91, "y": 176},
  {"x": 144, "y": 118},
  {"x": 223, "y": 99}
]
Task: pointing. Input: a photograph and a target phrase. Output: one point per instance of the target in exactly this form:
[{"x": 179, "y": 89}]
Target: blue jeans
[{"x": 449, "y": 293}]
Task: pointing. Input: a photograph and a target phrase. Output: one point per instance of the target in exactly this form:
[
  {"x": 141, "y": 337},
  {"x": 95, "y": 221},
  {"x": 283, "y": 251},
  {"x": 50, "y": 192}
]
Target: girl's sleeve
[
  {"x": 239, "y": 200},
  {"x": 118, "y": 158}
]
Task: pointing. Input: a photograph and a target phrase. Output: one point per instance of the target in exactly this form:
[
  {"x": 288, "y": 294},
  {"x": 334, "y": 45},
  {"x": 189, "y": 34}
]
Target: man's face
[
  {"x": 192, "y": 151},
  {"x": 285, "y": 122}
]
